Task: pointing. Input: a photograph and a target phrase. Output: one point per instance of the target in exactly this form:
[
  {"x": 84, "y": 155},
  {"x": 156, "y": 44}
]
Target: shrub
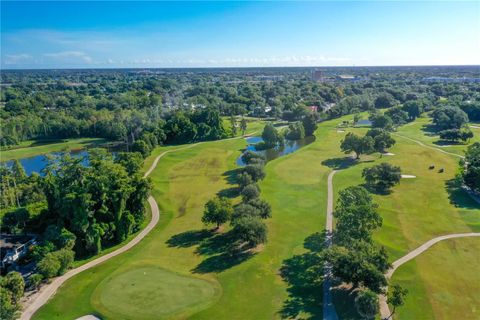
[
  {"x": 49, "y": 266},
  {"x": 250, "y": 192},
  {"x": 35, "y": 280}
]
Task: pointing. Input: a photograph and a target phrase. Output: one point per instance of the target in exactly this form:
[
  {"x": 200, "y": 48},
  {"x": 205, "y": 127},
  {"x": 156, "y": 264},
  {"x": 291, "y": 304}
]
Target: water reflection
[
  {"x": 38, "y": 162},
  {"x": 274, "y": 153}
]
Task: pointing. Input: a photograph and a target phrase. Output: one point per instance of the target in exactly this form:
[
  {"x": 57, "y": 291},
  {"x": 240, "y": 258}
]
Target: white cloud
[
  {"x": 70, "y": 56},
  {"x": 13, "y": 59}
]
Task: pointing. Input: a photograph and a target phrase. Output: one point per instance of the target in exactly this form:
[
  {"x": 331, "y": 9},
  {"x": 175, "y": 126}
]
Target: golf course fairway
[{"x": 250, "y": 287}]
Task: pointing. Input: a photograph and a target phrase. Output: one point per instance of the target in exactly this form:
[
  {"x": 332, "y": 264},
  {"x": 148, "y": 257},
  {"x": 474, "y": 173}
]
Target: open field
[
  {"x": 443, "y": 282},
  {"x": 421, "y": 130},
  {"x": 416, "y": 211},
  {"x": 32, "y": 148},
  {"x": 253, "y": 124}
]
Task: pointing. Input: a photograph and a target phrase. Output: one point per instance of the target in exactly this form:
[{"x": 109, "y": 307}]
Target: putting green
[{"x": 152, "y": 292}]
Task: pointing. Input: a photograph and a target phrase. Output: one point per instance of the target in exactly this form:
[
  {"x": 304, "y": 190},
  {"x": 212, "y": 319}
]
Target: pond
[
  {"x": 274, "y": 153},
  {"x": 363, "y": 122},
  {"x": 38, "y": 162}
]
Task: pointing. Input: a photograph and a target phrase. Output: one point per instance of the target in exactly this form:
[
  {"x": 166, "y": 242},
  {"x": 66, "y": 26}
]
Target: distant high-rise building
[{"x": 317, "y": 75}]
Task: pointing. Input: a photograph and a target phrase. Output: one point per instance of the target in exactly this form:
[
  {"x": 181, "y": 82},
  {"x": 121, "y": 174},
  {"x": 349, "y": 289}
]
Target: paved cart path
[{"x": 329, "y": 312}]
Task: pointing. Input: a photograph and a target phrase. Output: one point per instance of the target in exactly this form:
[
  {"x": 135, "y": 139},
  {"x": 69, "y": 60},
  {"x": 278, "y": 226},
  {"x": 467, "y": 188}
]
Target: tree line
[
  {"x": 76, "y": 210},
  {"x": 246, "y": 218}
]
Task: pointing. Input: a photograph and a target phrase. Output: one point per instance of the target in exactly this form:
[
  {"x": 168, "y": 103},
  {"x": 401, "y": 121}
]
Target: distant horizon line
[{"x": 239, "y": 67}]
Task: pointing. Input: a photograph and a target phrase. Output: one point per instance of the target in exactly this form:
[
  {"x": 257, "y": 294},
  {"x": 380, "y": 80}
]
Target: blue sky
[{"x": 222, "y": 34}]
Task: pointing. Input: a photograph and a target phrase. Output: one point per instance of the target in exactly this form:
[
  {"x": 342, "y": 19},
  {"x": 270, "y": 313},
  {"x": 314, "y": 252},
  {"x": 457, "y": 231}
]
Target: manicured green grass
[
  {"x": 32, "y": 148},
  {"x": 151, "y": 292},
  {"x": 443, "y": 282},
  {"x": 421, "y": 130},
  {"x": 250, "y": 287},
  {"x": 253, "y": 124},
  {"x": 416, "y": 211}
]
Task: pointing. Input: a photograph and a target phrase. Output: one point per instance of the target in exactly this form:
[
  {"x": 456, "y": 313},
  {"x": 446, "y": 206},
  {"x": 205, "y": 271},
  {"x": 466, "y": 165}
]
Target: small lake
[
  {"x": 363, "y": 122},
  {"x": 38, "y": 162},
  {"x": 274, "y": 153}
]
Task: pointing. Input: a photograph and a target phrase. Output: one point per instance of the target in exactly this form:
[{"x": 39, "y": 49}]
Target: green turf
[
  {"x": 251, "y": 288},
  {"x": 150, "y": 292},
  {"x": 32, "y": 148},
  {"x": 443, "y": 282},
  {"x": 421, "y": 130},
  {"x": 416, "y": 211}
]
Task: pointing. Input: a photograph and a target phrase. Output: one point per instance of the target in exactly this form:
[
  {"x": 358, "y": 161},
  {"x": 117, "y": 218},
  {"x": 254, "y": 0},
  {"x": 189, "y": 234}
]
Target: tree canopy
[
  {"x": 217, "y": 211},
  {"x": 383, "y": 176},
  {"x": 357, "y": 144}
]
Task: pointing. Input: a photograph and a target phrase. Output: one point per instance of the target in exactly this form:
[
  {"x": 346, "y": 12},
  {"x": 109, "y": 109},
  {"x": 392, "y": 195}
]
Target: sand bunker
[{"x": 88, "y": 317}]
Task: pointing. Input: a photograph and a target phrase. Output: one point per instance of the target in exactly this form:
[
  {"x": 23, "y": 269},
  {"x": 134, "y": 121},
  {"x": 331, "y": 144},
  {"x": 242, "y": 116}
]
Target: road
[
  {"x": 49, "y": 290},
  {"x": 384, "y": 309},
  {"x": 329, "y": 312}
]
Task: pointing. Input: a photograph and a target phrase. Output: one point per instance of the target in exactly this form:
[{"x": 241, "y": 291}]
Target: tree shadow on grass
[
  {"x": 441, "y": 142},
  {"x": 43, "y": 142},
  {"x": 223, "y": 261},
  {"x": 221, "y": 250},
  {"x": 231, "y": 175},
  {"x": 304, "y": 276},
  {"x": 340, "y": 163},
  {"x": 430, "y": 130},
  {"x": 458, "y": 196},
  {"x": 231, "y": 193},
  {"x": 344, "y": 301},
  {"x": 218, "y": 243},
  {"x": 375, "y": 190},
  {"x": 189, "y": 238}
]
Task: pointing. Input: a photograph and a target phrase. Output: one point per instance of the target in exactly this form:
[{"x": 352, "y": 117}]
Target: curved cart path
[
  {"x": 329, "y": 312},
  {"x": 427, "y": 146},
  {"x": 47, "y": 291},
  {"x": 384, "y": 309}
]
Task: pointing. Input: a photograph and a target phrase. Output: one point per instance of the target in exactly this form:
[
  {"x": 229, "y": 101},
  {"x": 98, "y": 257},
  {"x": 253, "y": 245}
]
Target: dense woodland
[{"x": 168, "y": 105}]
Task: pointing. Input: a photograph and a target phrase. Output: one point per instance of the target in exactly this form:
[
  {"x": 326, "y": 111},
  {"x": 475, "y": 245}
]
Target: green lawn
[
  {"x": 249, "y": 287},
  {"x": 443, "y": 282},
  {"x": 421, "y": 130},
  {"x": 253, "y": 124},
  {"x": 124, "y": 295},
  {"x": 32, "y": 148},
  {"x": 418, "y": 210}
]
